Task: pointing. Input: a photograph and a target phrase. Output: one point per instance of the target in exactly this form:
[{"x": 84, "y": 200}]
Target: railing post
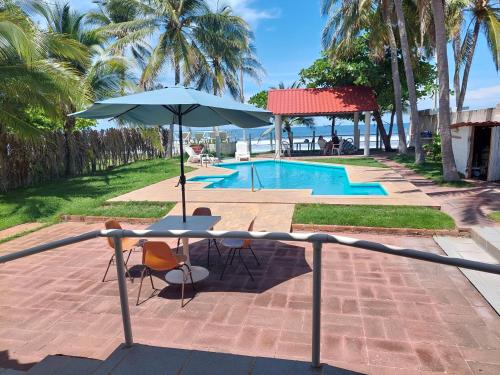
[
  {"x": 122, "y": 286},
  {"x": 316, "y": 308}
]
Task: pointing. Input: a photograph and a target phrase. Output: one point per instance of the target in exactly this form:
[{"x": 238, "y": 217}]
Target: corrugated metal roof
[
  {"x": 321, "y": 102},
  {"x": 478, "y": 123}
]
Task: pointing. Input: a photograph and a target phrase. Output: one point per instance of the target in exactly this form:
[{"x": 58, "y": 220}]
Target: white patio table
[{"x": 174, "y": 222}]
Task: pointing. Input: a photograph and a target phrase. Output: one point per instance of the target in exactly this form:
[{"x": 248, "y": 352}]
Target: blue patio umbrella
[{"x": 178, "y": 105}]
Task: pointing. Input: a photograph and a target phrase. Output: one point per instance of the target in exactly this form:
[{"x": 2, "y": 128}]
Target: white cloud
[
  {"x": 484, "y": 96},
  {"x": 247, "y": 10}
]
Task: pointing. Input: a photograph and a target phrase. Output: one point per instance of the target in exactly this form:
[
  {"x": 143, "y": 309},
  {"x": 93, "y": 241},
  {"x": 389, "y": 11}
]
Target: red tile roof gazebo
[{"x": 322, "y": 102}]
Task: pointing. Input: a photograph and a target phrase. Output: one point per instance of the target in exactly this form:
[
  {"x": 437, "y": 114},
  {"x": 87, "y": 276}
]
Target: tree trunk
[
  {"x": 69, "y": 128},
  {"x": 383, "y": 134},
  {"x": 410, "y": 81},
  {"x": 396, "y": 82},
  {"x": 289, "y": 132},
  {"x": 391, "y": 124},
  {"x": 456, "y": 76},
  {"x": 467, "y": 66},
  {"x": 449, "y": 167}
]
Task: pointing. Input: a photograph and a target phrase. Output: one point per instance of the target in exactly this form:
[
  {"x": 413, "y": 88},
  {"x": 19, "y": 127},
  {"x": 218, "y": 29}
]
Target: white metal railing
[{"x": 317, "y": 240}]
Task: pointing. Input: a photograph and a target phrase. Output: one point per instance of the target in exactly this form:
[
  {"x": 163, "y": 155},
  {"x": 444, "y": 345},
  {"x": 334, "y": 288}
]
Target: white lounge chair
[
  {"x": 193, "y": 156},
  {"x": 242, "y": 151}
]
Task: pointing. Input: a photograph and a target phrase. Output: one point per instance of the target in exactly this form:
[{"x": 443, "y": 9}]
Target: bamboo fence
[{"x": 27, "y": 162}]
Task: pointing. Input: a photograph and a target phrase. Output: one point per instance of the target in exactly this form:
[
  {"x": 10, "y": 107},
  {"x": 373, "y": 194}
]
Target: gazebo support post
[
  {"x": 356, "y": 130},
  {"x": 367, "y": 133},
  {"x": 277, "y": 133}
]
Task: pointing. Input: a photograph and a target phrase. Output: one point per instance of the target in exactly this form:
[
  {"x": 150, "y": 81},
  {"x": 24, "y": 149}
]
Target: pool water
[{"x": 272, "y": 174}]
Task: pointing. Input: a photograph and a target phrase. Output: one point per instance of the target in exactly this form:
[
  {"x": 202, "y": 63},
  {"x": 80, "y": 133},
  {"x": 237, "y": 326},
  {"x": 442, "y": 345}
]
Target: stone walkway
[
  {"x": 236, "y": 216},
  {"x": 381, "y": 314},
  {"x": 468, "y": 206}
]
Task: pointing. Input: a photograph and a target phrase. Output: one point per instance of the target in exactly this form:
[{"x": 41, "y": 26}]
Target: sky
[{"x": 288, "y": 38}]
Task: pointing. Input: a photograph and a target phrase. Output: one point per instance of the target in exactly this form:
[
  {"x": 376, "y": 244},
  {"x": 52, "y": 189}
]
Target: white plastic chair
[
  {"x": 242, "y": 151},
  {"x": 193, "y": 156}
]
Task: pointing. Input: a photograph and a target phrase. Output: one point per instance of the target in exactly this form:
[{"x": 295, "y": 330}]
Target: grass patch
[
  {"x": 495, "y": 216},
  {"x": 433, "y": 170},
  {"x": 373, "y": 216},
  {"x": 131, "y": 209},
  {"x": 361, "y": 162},
  {"x": 83, "y": 195}
]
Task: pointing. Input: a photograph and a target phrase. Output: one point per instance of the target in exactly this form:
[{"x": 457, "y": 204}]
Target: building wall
[{"x": 461, "y": 139}]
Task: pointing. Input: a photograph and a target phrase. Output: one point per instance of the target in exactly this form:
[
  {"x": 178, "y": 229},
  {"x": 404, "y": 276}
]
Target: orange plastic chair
[
  {"x": 158, "y": 256},
  {"x": 235, "y": 245},
  {"x": 205, "y": 211},
  {"x": 128, "y": 244}
]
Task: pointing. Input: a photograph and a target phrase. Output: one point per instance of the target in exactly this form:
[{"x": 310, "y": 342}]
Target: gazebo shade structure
[{"x": 322, "y": 102}]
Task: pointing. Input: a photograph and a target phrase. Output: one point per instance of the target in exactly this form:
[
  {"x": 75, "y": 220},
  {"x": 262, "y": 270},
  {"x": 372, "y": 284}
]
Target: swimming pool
[{"x": 272, "y": 174}]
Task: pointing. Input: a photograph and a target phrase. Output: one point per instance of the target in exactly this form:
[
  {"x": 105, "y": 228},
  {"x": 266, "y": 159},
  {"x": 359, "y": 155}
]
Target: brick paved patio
[{"x": 381, "y": 314}]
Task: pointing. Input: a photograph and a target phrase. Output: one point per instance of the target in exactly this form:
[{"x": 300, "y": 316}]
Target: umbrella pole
[{"x": 183, "y": 177}]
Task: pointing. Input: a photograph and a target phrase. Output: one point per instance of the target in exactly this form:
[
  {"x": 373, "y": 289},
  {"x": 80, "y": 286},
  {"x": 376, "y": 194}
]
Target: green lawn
[
  {"x": 432, "y": 170},
  {"x": 86, "y": 195},
  {"x": 373, "y": 216},
  {"x": 361, "y": 161},
  {"x": 495, "y": 216}
]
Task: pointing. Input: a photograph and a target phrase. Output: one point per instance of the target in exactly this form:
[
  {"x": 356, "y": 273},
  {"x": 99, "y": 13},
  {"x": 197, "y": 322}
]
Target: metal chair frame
[
  {"x": 184, "y": 279},
  {"x": 230, "y": 257}
]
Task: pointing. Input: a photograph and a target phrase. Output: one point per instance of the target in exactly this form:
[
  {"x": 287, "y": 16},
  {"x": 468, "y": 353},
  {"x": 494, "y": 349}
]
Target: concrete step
[
  {"x": 9, "y": 371},
  {"x": 487, "y": 284},
  {"x": 64, "y": 365},
  {"x": 488, "y": 238}
]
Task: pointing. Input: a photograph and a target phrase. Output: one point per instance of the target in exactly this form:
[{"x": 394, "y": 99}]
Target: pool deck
[{"x": 400, "y": 191}]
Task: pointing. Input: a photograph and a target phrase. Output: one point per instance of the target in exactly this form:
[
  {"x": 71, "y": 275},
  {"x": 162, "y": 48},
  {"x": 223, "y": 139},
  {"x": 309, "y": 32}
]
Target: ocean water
[
  {"x": 271, "y": 174},
  {"x": 261, "y": 143}
]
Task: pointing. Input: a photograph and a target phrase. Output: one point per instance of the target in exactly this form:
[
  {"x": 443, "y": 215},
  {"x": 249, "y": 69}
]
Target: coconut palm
[
  {"x": 483, "y": 15},
  {"x": 410, "y": 81},
  {"x": 101, "y": 73},
  {"x": 225, "y": 43},
  {"x": 122, "y": 22},
  {"x": 175, "y": 21},
  {"x": 449, "y": 168},
  {"x": 29, "y": 78},
  {"x": 346, "y": 20}
]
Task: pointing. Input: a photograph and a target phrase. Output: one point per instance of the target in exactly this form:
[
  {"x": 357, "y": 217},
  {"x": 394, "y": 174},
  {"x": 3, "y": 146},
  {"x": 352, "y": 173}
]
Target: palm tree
[
  {"x": 101, "y": 73},
  {"x": 175, "y": 21},
  {"x": 410, "y": 81},
  {"x": 387, "y": 11},
  {"x": 223, "y": 40},
  {"x": 346, "y": 20},
  {"x": 29, "y": 78},
  {"x": 484, "y": 15},
  {"x": 122, "y": 22},
  {"x": 449, "y": 167}
]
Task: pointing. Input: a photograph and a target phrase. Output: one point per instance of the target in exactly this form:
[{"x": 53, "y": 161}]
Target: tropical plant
[
  {"x": 483, "y": 15},
  {"x": 347, "y": 20},
  {"x": 121, "y": 21},
  {"x": 101, "y": 73},
  {"x": 410, "y": 81},
  {"x": 360, "y": 68},
  {"x": 175, "y": 21},
  {"x": 223, "y": 40},
  {"x": 449, "y": 167},
  {"x": 30, "y": 77}
]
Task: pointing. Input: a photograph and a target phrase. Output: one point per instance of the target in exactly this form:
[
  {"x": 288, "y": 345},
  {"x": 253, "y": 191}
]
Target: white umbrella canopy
[{"x": 178, "y": 105}]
